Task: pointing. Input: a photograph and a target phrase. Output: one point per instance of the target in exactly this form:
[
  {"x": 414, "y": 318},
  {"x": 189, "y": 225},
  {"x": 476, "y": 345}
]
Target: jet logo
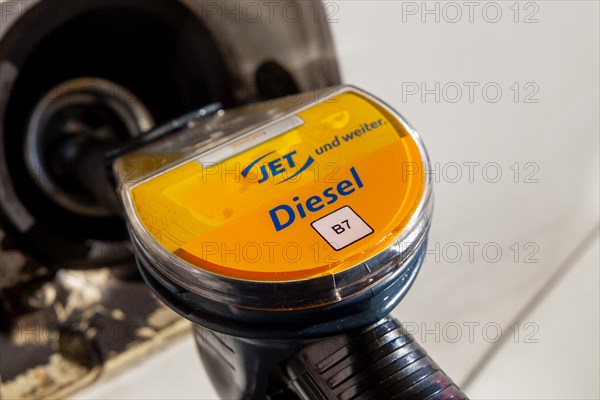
[{"x": 278, "y": 166}]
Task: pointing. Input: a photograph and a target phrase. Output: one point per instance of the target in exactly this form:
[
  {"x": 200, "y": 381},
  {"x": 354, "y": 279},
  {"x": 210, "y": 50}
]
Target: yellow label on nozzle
[{"x": 309, "y": 195}]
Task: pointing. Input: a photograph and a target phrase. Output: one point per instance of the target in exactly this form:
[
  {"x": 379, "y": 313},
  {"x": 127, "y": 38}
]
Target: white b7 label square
[{"x": 342, "y": 227}]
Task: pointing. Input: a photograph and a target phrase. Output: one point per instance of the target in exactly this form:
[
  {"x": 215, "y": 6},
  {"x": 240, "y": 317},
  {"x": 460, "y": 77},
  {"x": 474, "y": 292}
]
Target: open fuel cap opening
[{"x": 330, "y": 189}]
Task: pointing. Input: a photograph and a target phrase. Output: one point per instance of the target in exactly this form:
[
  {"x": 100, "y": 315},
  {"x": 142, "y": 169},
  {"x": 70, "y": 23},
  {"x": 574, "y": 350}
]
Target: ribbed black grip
[{"x": 381, "y": 362}]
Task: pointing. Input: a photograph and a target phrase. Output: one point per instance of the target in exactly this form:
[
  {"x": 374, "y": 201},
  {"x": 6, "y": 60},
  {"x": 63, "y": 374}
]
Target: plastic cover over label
[{"x": 311, "y": 194}]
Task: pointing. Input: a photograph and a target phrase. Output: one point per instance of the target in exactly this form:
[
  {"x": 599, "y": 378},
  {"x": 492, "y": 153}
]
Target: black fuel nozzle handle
[{"x": 380, "y": 362}]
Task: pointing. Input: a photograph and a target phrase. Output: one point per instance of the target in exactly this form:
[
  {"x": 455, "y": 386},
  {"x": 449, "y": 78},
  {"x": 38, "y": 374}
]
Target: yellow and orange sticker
[{"x": 312, "y": 194}]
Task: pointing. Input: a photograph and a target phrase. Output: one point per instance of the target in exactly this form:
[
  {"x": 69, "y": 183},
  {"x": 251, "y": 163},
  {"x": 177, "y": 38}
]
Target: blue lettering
[
  {"x": 265, "y": 174},
  {"x": 276, "y": 167},
  {"x": 314, "y": 203},
  {"x": 287, "y": 210},
  {"x": 329, "y": 194},
  {"x": 342, "y": 186},
  {"x": 287, "y": 214}
]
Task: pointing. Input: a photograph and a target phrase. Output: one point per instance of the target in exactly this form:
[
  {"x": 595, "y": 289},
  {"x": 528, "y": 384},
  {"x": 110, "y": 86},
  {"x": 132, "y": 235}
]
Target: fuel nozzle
[{"x": 287, "y": 231}]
